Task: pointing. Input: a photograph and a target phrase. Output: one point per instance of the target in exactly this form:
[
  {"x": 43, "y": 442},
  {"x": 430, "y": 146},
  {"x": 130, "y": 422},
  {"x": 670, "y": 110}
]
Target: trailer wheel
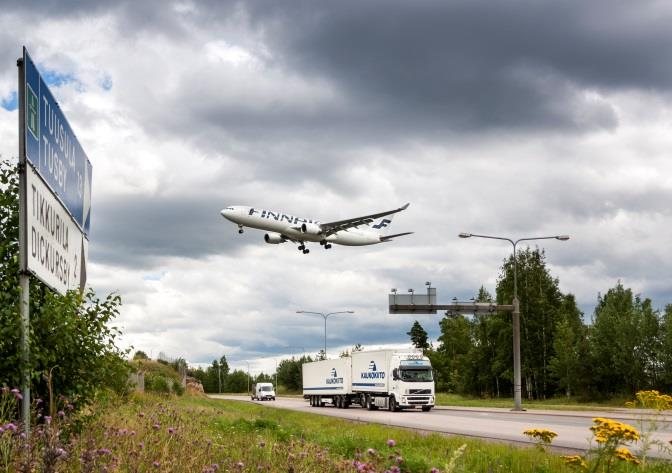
[{"x": 362, "y": 400}]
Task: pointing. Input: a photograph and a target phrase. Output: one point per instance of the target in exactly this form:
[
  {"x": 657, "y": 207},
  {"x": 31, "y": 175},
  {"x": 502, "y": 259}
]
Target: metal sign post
[{"x": 24, "y": 303}]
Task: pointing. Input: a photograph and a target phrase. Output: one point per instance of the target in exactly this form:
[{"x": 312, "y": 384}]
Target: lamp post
[
  {"x": 325, "y": 317},
  {"x": 248, "y": 377},
  {"x": 517, "y": 392}
]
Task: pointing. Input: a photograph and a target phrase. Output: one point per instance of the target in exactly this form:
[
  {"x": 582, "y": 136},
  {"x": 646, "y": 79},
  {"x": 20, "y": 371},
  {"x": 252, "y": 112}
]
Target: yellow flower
[
  {"x": 607, "y": 429},
  {"x": 575, "y": 461},
  {"x": 653, "y": 400},
  {"x": 625, "y": 455},
  {"x": 543, "y": 435}
]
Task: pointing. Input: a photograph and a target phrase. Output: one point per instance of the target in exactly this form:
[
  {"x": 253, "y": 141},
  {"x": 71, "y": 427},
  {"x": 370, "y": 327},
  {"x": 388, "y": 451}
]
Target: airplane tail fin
[
  {"x": 382, "y": 225},
  {"x": 387, "y": 238}
]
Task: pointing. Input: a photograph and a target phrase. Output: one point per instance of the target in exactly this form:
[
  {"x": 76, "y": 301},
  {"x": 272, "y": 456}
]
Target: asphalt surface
[{"x": 572, "y": 427}]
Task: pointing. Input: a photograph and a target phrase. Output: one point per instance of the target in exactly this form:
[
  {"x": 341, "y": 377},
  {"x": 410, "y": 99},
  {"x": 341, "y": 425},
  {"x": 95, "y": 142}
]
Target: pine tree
[{"x": 419, "y": 337}]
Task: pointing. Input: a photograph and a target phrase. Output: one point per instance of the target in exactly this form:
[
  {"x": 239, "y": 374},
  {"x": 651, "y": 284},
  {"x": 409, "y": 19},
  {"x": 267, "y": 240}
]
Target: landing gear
[
  {"x": 325, "y": 244},
  {"x": 240, "y": 229},
  {"x": 302, "y": 247}
]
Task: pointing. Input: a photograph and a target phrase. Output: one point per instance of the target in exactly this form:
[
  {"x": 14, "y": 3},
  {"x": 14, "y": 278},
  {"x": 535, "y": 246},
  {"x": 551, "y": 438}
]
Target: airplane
[{"x": 281, "y": 227}]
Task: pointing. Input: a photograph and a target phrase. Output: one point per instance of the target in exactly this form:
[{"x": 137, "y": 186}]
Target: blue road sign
[{"x": 53, "y": 149}]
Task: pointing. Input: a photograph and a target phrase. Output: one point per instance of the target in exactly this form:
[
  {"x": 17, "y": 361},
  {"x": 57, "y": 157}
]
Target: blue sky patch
[
  {"x": 56, "y": 79},
  {"x": 154, "y": 277},
  {"x": 11, "y": 102},
  {"x": 106, "y": 82}
]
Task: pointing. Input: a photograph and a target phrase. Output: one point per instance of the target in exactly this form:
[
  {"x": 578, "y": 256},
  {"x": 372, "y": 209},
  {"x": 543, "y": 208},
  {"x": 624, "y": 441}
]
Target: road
[{"x": 572, "y": 427}]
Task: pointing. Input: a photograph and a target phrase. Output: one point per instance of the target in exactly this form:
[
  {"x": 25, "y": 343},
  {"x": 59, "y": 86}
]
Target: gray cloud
[{"x": 141, "y": 231}]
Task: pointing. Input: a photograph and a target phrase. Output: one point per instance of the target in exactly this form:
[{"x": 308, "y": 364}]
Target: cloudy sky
[{"x": 514, "y": 118}]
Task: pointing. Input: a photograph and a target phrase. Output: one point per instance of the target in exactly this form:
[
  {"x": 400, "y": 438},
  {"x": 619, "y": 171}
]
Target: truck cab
[
  {"x": 412, "y": 383},
  {"x": 263, "y": 392}
]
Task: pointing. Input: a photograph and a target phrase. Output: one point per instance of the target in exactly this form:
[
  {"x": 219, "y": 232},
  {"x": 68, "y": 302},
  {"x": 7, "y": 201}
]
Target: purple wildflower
[
  {"x": 434, "y": 470},
  {"x": 61, "y": 453},
  {"x": 141, "y": 414},
  {"x": 156, "y": 426},
  {"x": 11, "y": 427},
  {"x": 70, "y": 407},
  {"x": 391, "y": 443},
  {"x": 47, "y": 419},
  {"x": 240, "y": 465},
  {"x": 395, "y": 469},
  {"x": 400, "y": 460},
  {"x": 171, "y": 430},
  {"x": 156, "y": 463},
  {"x": 61, "y": 414},
  {"x": 103, "y": 451}
]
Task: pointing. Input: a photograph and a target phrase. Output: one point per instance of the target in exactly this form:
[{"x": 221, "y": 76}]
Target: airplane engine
[
  {"x": 311, "y": 228},
  {"x": 274, "y": 238}
]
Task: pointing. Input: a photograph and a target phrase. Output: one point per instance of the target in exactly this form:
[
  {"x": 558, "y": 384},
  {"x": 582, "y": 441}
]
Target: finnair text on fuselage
[{"x": 279, "y": 216}]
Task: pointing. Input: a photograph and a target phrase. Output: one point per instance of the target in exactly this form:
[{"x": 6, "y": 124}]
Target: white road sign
[{"x": 56, "y": 248}]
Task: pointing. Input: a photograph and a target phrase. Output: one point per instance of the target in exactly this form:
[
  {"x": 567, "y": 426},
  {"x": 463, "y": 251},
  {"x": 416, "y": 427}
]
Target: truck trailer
[{"x": 388, "y": 379}]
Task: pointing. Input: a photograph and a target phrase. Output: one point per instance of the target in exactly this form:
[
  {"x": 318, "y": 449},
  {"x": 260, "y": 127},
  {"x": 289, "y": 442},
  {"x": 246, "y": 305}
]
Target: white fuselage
[{"x": 290, "y": 226}]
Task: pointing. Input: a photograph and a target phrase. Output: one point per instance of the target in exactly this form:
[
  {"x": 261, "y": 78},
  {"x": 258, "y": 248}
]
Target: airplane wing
[{"x": 332, "y": 227}]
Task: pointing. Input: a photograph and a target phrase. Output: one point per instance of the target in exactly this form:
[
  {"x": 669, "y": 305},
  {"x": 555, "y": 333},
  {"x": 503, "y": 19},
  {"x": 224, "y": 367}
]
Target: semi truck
[{"x": 387, "y": 379}]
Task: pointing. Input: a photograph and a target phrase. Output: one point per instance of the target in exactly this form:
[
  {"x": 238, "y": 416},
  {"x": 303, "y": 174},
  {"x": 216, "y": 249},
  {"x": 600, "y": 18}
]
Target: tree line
[
  {"x": 218, "y": 378},
  {"x": 626, "y": 347}
]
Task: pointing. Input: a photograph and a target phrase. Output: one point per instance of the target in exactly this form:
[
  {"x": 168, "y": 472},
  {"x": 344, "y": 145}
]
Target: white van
[{"x": 263, "y": 392}]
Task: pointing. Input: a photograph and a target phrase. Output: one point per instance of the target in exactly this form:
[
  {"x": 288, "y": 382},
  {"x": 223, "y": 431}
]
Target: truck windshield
[
  {"x": 416, "y": 376},
  {"x": 267, "y": 388}
]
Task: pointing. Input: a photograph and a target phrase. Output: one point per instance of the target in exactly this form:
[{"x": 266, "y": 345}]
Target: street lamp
[
  {"x": 248, "y": 377},
  {"x": 517, "y": 396},
  {"x": 325, "y": 317}
]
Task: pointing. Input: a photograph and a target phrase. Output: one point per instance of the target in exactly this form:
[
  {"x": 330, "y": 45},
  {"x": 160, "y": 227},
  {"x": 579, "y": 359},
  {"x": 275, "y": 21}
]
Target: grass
[
  {"x": 196, "y": 434},
  {"x": 444, "y": 399}
]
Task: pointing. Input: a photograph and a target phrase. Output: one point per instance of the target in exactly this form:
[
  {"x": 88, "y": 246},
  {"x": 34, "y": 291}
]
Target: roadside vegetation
[{"x": 150, "y": 432}]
